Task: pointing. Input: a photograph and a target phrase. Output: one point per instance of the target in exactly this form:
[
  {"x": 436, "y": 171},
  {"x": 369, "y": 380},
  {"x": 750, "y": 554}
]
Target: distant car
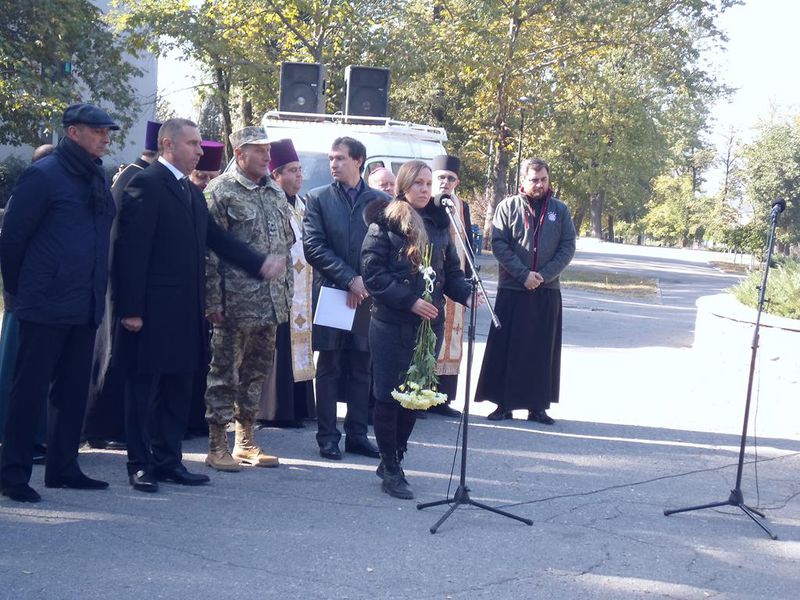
[{"x": 389, "y": 143}]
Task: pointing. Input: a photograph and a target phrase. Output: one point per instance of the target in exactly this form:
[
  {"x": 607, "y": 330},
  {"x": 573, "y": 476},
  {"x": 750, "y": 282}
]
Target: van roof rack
[{"x": 374, "y": 124}]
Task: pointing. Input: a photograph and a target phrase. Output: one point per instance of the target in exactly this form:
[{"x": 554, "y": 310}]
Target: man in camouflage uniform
[{"x": 245, "y": 312}]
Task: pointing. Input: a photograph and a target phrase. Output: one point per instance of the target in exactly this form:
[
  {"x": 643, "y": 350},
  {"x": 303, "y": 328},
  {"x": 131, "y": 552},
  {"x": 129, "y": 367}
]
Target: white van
[{"x": 389, "y": 143}]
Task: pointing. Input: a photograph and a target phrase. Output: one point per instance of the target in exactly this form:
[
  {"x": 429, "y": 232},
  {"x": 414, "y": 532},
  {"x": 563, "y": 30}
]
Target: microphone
[
  {"x": 778, "y": 206},
  {"x": 444, "y": 200}
]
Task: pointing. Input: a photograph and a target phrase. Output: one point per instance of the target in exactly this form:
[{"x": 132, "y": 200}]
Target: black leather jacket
[
  {"x": 332, "y": 235},
  {"x": 393, "y": 281}
]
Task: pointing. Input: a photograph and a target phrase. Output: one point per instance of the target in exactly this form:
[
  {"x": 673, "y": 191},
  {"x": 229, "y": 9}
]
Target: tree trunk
[
  {"x": 247, "y": 111},
  {"x": 223, "y": 91},
  {"x": 596, "y": 200},
  {"x": 496, "y": 185},
  {"x": 578, "y": 218},
  {"x": 611, "y": 237}
]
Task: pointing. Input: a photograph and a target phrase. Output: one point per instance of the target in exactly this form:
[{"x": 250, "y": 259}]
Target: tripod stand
[
  {"x": 461, "y": 495},
  {"x": 736, "y": 498}
]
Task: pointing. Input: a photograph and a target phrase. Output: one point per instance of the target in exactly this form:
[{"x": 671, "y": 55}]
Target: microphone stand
[
  {"x": 461, "y": 495},
  {"x": 736, "y": 498}
]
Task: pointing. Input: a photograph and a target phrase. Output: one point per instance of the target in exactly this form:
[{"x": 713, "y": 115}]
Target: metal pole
[{"x": 519, "y": 144}]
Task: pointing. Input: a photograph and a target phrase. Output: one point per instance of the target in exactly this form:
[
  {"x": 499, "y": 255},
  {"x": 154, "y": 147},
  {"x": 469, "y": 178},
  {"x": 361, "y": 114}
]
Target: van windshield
[{"x": 316, "y": 170}]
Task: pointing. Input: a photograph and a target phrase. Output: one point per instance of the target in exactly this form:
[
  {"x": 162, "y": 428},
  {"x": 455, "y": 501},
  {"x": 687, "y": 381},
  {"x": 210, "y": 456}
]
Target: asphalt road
[{"x": 645, "y": 423}]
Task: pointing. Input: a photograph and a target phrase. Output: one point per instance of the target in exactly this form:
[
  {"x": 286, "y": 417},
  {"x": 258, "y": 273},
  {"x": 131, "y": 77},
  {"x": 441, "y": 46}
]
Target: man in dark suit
[
  {"x": 104, "y": 426},
  {"x": 333, "y": 231},
  {"x": 159, "y": 294},
  {"x": 54, "y": 252}
]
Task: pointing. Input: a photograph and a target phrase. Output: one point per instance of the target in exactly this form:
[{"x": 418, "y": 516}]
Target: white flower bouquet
[{"x": 418, "y": 392}]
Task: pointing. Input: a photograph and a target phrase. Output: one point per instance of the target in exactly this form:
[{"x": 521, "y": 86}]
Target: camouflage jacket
[{"x": 259, "y": 215}]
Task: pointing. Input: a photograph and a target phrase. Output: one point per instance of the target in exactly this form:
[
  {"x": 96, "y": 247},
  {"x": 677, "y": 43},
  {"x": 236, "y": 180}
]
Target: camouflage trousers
[{"x": 241, "y": 358}]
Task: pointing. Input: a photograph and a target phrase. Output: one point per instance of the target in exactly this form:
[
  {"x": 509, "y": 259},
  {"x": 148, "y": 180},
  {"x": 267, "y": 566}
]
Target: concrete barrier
[{"x": 723, "y": 345}]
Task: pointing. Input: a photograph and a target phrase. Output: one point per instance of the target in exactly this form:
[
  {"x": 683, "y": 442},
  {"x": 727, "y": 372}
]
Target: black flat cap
[{"x": 87, "y": 114}]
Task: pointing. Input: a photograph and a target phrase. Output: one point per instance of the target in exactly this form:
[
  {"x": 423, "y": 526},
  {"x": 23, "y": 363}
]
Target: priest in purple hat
[
  {"x": 209, "y": 164},
  {"x": 287, "y": 397},
  {"x": 124, "y": 175}
]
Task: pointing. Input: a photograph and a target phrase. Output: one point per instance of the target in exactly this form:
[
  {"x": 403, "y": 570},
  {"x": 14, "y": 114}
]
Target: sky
[{"x": 763, "y": 47}]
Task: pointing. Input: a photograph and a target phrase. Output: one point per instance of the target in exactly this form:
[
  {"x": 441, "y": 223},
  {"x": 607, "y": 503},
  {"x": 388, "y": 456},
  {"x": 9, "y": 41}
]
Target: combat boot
[
  {"x": 219, "y": 457},
  {"x": 400, "y": 454},
  {"x": 394, "y": 483},
  {"x": 247, "y": 452}
]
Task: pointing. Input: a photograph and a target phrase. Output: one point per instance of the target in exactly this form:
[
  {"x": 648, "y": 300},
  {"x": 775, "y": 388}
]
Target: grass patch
[
  {"x": 604, "y": 282},
  {"x": 783, "y": 289},
  {"x": 728, "y": 267},
  {"x": 610, "y": 283}
]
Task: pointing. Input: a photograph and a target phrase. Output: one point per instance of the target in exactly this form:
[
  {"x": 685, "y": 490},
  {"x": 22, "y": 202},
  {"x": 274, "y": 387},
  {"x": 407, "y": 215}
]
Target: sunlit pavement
[{"x": 646, "y": 422}]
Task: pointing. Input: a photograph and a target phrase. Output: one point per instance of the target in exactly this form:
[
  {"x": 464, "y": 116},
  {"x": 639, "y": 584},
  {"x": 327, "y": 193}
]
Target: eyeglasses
[{"x": 448, "y": 178}]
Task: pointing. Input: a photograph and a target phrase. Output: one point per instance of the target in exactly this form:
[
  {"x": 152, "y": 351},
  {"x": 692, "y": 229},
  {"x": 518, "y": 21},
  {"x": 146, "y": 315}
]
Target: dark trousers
[
  {"x": 342, "y": 372},
  {"x": 156, "y": 413},
  {"x": 57, "y": 355},
  {"x": 393, "y": 425},
  {"x": 105, "y": 414}
]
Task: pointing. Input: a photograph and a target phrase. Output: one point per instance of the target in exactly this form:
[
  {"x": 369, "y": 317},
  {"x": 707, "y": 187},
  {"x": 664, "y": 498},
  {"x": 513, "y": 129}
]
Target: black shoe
[
  {"x": 22, "y": 493},
  {"x": 180, "y": 475},
  {"x": 143, "y": 481},
  {"x": 361, "y": 446},
  {"x": 330, "y": 450},
  {"x": 445, "y": 410},
  {"x": 76, "y": 482},
  {"x": 540, "y": 417},
  {"x": 498, "y": 414},
  {"x": 39, "y": 454}
]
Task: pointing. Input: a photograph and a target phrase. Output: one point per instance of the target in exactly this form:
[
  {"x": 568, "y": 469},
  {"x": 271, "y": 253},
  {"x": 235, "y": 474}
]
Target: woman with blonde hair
[{"x": 400, "y": 234}]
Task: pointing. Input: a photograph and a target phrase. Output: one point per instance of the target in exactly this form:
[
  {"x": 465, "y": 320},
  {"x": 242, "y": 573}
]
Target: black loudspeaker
[
  {"x": 302, "y": 87},
  {"x": 367, "y": 91}
]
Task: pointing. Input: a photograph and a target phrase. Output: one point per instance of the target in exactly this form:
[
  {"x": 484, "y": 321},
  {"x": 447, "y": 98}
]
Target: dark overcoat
[
  {"x": 54, "y": 246},
  {"x": 159, "y": 272},
  {"x": 333, "y": 232}
]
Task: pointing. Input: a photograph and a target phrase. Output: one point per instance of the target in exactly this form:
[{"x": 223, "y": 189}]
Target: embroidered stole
[
  {"x": 449, "y": 359},
  {"x": 301, "y": 319}
]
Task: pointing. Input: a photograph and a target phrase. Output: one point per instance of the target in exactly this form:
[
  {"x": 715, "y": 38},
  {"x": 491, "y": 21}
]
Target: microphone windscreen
[{"x": 780, "y": 203}]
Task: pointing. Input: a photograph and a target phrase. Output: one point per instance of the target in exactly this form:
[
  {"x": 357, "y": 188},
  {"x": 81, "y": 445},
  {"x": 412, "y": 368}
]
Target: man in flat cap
[
  {"x": 54, "y": 254},
  {"x": 246, "y": 202},
  {"x": 159, "y": 264},
  {"x": 287, "y": 397},
  {"x": 446, "y": 177}
]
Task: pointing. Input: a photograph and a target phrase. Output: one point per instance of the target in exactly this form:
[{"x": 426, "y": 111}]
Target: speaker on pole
[
  {"x": 367, "y": 92},
  {"x": 302, "y": 87}
]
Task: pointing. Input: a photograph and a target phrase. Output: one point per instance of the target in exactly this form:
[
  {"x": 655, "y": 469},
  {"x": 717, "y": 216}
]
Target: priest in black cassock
[{"x": 533, "y": 238}]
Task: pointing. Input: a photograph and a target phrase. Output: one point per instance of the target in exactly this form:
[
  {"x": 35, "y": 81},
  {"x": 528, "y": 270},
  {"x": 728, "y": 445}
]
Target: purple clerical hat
[
  {"x": 212, "y": 156},
  {"x": 280, "y": 153},
  {"x": 151, "y": 136}
]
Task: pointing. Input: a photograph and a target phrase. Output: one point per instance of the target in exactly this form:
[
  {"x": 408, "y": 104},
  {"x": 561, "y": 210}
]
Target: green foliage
[
  {"x": 773, "y": 171},
  {"x": 10, "y": 170},
  {"x": 51, "y": 55},
  {"x": 783, "y": 289},
  {"x": 616, "y": 91}
]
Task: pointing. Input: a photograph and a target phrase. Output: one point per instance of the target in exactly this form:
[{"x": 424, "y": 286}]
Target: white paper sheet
[{"x": 332, "y": 309}]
